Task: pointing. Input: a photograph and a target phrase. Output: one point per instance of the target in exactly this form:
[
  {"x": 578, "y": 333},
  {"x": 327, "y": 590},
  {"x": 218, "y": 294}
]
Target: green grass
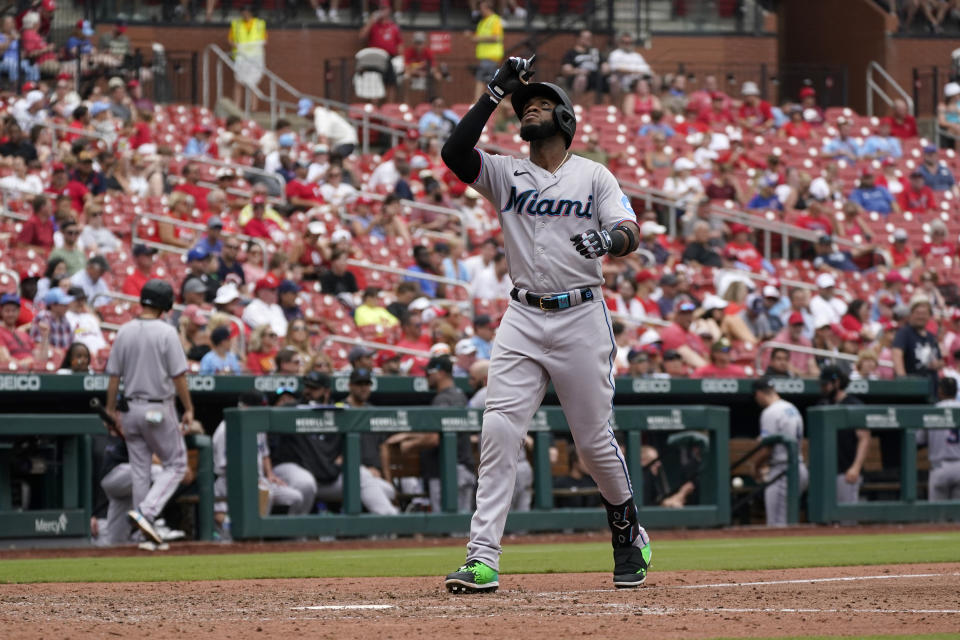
[{"x": 724, "y": 554}]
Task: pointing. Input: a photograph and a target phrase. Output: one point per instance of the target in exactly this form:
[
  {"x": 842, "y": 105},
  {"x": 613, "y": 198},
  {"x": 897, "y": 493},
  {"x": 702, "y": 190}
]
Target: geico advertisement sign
[
  {"x": 272, "y": 383},
  {"x": 719, "y": 385},
  {"x": 19, "y": 383},
  {"x": 646, "y": 385}
]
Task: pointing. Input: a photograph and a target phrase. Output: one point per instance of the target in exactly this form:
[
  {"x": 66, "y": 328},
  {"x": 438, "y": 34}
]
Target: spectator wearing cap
[
  {"x": 51, "y": 326},
  {"x": 668, "y": 294},
  {"x": 650, "y": 240},
  {"x": 844, "y": 145},
  {"x": 673, "y": 365},
  {"x": 948, "y": 111},
  {"x": 465, "y": 354},
  {"x": 755, "y": 318},
  {"x": 264, "y": 308},
  {"x": 826, "y": 305},
  {"x": 316, "y": 389},
  {"x": 680, "y": 338},
  {"x": 827, "y": 255},
  {"x": 799, "y": 302},
  {"x": 220, "y": 360},
  {"x": 917, "y": 197},
  {"x": 228, "y": 264},
  {"x": 902, "y": 124},
  {"x": 881, "y": 144},
  {"x": 121, "y": 106},
  {"x": 17, "y": 346},
  {"x": 743, "y": 251},
  {"x": 302, "y": 194},
  {"x": 211, "y": 242},
  {"x": 70, "y": 251},
  {"x": 259, "y": 217},
  {"x": 718, "y": 114},
  {"x": 198, "y": 268},
  {"x": 116, "y": 42},
  {"x": 766, "y": 196},
  {"x": 682, "y": 185},
  {"x": 61, "y": 184},
  {"x": 938, "y": 247},
  {"x": 91, "y": 280},
  {"x": 936, "y": 174},
  {"x": 815, "y": 219},
  {"x": 29, "y": 110},
  {"x": 915, "y": 348},
  {"x": 901, "y": 253},
  {"x": 191, "y": 324},
  {"x": 361, "y": 358},
  {"x": 287, "y": 299},
  {"x": 754, "y": 115},
  {"x": 372, "y": 312},
  {"x": 699, "y": 249},
  {"x": 492, "y": 283},
  {"x": 646, "y": 285},
  {"x": 88, "y": 175},
  {"x": 796, "y": 126},
  {"x": 202, "y": 143},
  {"x": 85, "y": 325},
  {"x": 38, "y": 229},
  {"x": 873, "y": 197},
  {"x": 143, "y": 270}
]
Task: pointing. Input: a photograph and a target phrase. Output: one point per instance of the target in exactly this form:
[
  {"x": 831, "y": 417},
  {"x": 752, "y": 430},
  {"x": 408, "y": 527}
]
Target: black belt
[
  {"x": 553, "y": 301},
  {"x": 153, "y": 400}
]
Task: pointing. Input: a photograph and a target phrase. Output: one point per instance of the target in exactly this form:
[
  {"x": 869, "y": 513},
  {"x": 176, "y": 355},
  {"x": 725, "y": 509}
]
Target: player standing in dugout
[
  {"x": 148, "y": 357},
  {"x": 560, "y": 214}
]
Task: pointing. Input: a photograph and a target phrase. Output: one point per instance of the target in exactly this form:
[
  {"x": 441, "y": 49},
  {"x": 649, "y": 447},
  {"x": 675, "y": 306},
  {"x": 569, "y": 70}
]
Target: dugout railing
[
  {"x": 69, "y": 476},
  {"x": 823, "y": 425},
  {"x": 243, "y": 488}
]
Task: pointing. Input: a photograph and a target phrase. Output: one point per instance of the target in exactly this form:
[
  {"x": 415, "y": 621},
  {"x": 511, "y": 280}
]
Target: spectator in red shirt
[
  {"x": 191, "y": 176},
  {"x": 143, "y": 270},
  {"x": 814, "y": 219},
  {"x": 902, "y": 124},
  {"x": 801, "y": 364},
  {"x": 258, "y": 226},
  {"x": 143, "y": 132},
  {"x": 37, "y": 231},
  {"x": 303, "y": 195},
  {"x": 679, "y": 337},
  {"x": 720, "y": 365},
  {"x": 812, "y": 112},
  {"x": 797, "y": 127},
  {"x": 35, "y": 47},
  {"x": 381, "y": 32},
  {"x": 62, "y": 185},
  {"x": 900, "y": 252},
  {"x": 646, "y": 283},
  {"x": 44, "y": 10},
  {"x": 741, "y": 250},
  {"x": 754, "y": 115},
  {"x": 917, "y": 197},
  {"x": 717, "y": 115},
  {"x": 939, "y": 246},
  {"x": 418, "y": 63},
  {"x": 15, "y": 345},
  {"x": 700, "y": 99}
]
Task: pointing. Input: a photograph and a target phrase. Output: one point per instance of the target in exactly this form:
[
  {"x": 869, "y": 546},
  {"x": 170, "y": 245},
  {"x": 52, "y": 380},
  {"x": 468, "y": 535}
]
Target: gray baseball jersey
[
  {"x": 944, "y": 453},
  {"x": 539, "y": 211},
  {"x": 573, "y": 348},
  {"x": 782, "y": 419},
  {"x": 147, "y": 355}
]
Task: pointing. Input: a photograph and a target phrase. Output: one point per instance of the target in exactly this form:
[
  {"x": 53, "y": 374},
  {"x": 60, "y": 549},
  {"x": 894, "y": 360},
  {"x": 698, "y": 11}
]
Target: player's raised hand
[
  {"x": 512, "y": 74},
  {"x": 592, "y": 244}
]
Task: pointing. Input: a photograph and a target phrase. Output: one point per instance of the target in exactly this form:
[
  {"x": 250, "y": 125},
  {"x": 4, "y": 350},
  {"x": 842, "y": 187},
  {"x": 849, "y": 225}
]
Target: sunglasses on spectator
[
  {"x": 334, "y": 174},
  {"x": 270, "y": 335},
  {"x": 71, "y": 233},
  {"x": 231, "y": 246},
  {"x": 298, "y": 327}
]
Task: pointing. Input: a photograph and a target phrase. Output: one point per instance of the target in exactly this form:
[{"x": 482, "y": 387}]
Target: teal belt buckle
[{"x": 563, "y": 301}]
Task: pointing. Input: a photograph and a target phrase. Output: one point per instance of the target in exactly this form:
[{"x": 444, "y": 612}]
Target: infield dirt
[{"x": 843, "y": 601}]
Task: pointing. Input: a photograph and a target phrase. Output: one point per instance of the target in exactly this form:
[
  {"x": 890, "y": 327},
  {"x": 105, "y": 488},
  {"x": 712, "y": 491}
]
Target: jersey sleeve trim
[{"x": 482, "y": 164}]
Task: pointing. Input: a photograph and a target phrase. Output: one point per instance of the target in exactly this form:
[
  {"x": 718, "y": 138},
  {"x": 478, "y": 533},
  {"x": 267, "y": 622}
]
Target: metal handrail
[
  {"x": 134, "y": 239},
  {"x": 379, "y": 346},
  {"x": 241, "y": 338},
  {"x": 365, "y": 264},
  {"x": 770, "y": 345},
  {"x": 68, "y": 129},
  {"x": 639, "y": 322},
  {"x": 874, "y": 87},
  {"x": 239, "y": 169}
]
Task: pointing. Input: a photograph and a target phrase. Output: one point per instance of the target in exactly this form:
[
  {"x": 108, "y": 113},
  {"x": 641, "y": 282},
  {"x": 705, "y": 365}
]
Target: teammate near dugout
[{"x": 560, "y": 214}]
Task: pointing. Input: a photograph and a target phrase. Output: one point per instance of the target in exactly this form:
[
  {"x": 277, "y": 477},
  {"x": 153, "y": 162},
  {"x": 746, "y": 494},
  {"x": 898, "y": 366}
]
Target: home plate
[{"x": 343, "y": 607}]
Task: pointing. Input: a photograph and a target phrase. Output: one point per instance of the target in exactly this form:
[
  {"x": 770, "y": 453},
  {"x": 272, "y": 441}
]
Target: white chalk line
[
  {"x": 343, "y": 607},
  {"x": 901, "y": 576}
]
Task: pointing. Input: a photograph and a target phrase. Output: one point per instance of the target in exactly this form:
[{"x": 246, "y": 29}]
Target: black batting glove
[
  {"x": 512, "y": 74},
  {"x": 592, "y": 244}
]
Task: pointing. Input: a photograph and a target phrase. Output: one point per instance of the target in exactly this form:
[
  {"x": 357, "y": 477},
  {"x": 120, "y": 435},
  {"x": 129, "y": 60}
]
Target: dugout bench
[
  {"x": 75, "y": 470},
  {"x": 243, "y": 491},
  {"x": 824, "y": 422}
]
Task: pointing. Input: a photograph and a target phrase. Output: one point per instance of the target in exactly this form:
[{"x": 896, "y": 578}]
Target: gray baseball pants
[
  {"x": 945, "y": 481},
  {"x": 574, "y": 349},
  {"x": 118, "y": 485},
  {"x": 145, "y": 439},
  {"x": 775, "y": 494},
  {"x": 376, "y": 494}
]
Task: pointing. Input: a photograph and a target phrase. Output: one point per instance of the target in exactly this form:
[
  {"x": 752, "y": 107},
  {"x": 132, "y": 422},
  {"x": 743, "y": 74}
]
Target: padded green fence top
[{"x": 77, "y": 383}]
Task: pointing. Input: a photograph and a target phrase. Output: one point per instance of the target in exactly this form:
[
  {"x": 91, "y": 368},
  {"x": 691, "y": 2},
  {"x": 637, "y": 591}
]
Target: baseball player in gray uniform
[
  {"x": 780, "y": 418},
  {"x": 148, "y": 357},
  {"x": 560, "y": 213},
  {"x": 944, "y": 448}
]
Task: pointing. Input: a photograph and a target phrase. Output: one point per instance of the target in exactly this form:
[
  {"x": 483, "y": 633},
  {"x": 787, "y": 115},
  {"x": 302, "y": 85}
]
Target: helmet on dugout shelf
[{"x": 563, "y": 114}]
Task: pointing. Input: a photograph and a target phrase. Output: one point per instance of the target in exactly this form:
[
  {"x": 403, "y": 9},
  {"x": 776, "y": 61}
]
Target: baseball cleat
[
  {"x": 144, "y": 525},
  {"x": 630, "y": 566},
  {"x": 473, "y": 577},
  {"x": 153, "y": 546}
]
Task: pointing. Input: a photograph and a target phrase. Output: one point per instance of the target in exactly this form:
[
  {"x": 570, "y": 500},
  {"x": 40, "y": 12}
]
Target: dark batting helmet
[
  {"x": 833, "y": 373},
  {"x": 563, "y": 114},
  {"x": 157, "y": 294}
]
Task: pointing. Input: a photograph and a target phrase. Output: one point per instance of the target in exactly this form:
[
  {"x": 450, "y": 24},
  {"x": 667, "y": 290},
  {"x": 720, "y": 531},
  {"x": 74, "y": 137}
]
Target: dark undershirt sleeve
[{"x": 458, "y": 152}]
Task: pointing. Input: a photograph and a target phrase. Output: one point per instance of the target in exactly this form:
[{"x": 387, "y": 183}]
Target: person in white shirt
[
  {"x": 29, "y": 110},
  {"x": 20, "y": 183},
  {"x": 627, "y": 65},
  {"x": 683, "y": 185},
  {"x": 263, "y": 309},
  {"x": 336, "y": 129},
  {"x": 386, "y": 174},
  {"x": 95, "y": 236},
  {"x": 826, "y": 305},
  {"x": 84, "y": 324},
  {"x": 320, "y": 163},
  {"x": 335, "y": 191},
  {"x": 91, "y": 281},
  {"x": 493, "y": 283},
  {"x": 481, "y": 260}
]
